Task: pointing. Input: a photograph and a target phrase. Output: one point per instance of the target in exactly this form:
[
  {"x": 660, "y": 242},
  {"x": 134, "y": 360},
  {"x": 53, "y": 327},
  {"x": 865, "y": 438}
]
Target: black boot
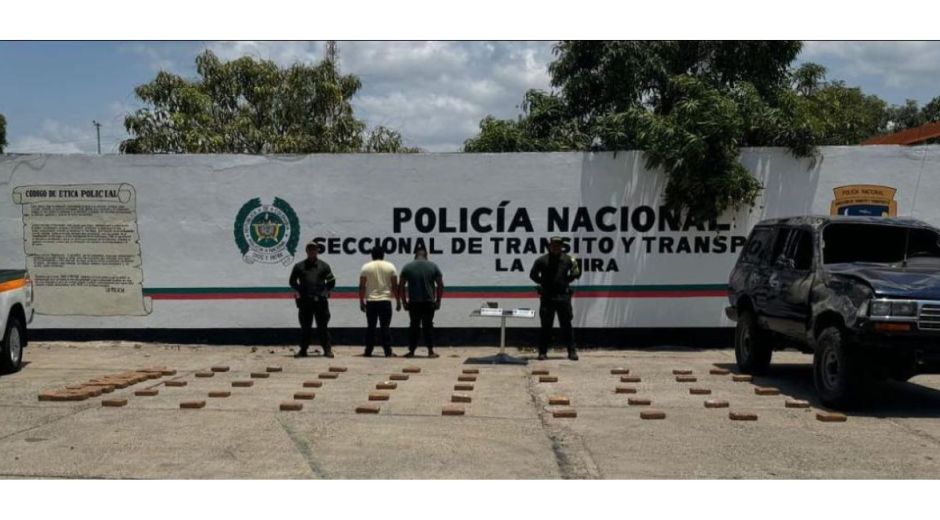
[
  {"x": 328, "y": 352},
  {"x": 572, "y": 354},
  {"x": 543, "y": 355},
  {"x": 432, "y": 354},
  {"x": 301, "y": 353},
  {"x": 410, "y": 354}
]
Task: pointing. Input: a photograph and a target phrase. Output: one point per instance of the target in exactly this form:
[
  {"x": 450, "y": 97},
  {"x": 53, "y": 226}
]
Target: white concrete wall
[{"x": 187, "y": 205}]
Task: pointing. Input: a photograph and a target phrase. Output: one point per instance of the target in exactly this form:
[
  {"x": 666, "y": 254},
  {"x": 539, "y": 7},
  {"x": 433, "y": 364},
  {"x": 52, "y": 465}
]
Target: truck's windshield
[{"x": 884, "y": 244}]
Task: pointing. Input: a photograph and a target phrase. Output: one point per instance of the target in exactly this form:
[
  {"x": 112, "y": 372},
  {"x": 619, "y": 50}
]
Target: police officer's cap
[{"x": 556, "y": 240}]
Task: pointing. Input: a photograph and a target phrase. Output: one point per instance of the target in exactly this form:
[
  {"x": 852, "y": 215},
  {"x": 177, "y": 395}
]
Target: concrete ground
[{"x": 508, "y": 431}]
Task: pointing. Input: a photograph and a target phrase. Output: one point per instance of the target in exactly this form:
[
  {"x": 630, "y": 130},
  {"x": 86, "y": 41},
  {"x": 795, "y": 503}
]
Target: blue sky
[{"x": 435, "y": 93}]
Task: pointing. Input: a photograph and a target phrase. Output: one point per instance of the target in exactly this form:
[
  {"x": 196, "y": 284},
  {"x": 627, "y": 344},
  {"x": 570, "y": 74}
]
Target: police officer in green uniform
[
  {"x": 553, "y": 273},
  {"x": 313, "y": 280}
]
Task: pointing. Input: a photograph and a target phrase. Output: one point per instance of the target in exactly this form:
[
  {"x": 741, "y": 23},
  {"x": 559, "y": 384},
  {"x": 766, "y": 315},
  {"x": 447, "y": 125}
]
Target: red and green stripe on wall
[{"x": 466, "y": 291}]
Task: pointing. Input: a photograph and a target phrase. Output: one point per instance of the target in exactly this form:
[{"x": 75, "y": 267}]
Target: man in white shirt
[{"x": 378, "y": 284}]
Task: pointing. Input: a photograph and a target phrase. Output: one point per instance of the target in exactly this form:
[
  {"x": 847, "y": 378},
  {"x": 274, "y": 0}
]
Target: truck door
[
  {"x": 773, "y": 304},
  {"x": 757, "y": 262},
  {"x": 790, "y": 283}
]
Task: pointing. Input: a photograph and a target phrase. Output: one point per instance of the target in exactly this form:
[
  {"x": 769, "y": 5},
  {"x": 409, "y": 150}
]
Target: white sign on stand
[{"x": 502, "y": 314}]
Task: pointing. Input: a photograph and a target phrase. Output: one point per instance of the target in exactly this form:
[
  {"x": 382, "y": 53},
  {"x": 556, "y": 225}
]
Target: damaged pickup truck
[{"x": 862, "y": 294}]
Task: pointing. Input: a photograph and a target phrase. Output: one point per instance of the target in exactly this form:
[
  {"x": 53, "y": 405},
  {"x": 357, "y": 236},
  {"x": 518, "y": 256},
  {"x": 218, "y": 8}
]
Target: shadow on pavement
[
  {"x": 886, "y": 399},
  {"x": 23, "y": 366}
]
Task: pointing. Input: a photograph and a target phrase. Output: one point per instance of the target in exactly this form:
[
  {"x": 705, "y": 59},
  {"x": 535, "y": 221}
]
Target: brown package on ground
[{"x": 452, "y": 410}]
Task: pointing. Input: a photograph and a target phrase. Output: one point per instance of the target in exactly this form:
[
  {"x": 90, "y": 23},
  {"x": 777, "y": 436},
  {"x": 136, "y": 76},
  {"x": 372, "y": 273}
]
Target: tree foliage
[
  {"x": 3, "y": 132},
  {"x": 911, "y": 115},
  {"x": 252, "y": 106},
  {"x": 385, "y": 140},
  {"x": 545, "y": 126},
  {"x": 931, "y": 111},
  {"x": 842, "y": 115},
  {"x": 690, "y": 106},
  {"x": 905, "y": 116},
  {"x": 837, "y": 114}
]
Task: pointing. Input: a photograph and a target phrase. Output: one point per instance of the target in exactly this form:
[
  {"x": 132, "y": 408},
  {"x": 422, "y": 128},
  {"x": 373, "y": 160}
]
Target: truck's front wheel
[
  {"x": 751, "y": 348},
  {"x": 11, "y": 349},
  {"x": 838, "y": 373}
]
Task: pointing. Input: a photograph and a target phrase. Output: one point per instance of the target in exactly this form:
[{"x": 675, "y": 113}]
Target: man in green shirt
[
  {"x": 553, "y": 273},
  {"x": 312, "y": 279},
  {"x": 421, "y": 286}
]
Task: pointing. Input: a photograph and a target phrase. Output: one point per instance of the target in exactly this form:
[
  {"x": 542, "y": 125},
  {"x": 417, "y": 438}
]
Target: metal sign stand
[{"x": 502, "y": 358}]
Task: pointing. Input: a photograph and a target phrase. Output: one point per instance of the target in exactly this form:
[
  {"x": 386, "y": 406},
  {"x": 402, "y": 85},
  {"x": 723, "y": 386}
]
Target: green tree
[
  {"x": 251, "y": 106},
  {"x": 911, "y": 115},
  {"x": 837, "y": 114},
  {"x": 545, "y": 126},
  {"x": 689, "y": 105},
  {"x": 908, "y": 115},
  {"x": 3, "y": 132},
  {"x": 931, "y": 111},
  {"x": 385, "y": 140},
  {"x": 809, "y": 78}
]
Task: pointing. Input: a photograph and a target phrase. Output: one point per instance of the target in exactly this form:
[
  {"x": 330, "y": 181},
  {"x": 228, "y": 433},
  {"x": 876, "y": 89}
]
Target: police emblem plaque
[
  {"x": 267, "y": 233},
  {"x": 864, "y": 199}
]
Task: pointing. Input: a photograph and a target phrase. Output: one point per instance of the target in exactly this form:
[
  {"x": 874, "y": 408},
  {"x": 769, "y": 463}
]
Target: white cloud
[
  {"x": 435, "y": 93},
  {"x": 57, "y": 137},
  {"x": 38, "y": 144},
  {"x": 896, "y": 64},
  {"x": 157, "y": 56},
  {"x": 282, "y": 53},
  {"x": 435, "y": 122}
]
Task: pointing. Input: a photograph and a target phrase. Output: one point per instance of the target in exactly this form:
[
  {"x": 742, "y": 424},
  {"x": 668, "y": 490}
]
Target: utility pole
[
  {"x": 332, "y": 53},
  {"x": 332, "y": 57},
  {"x": 98, "y": 131}
]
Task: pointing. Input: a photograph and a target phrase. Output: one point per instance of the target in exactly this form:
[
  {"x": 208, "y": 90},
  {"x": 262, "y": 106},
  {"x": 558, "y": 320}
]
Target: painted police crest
[
  {"x": 267, "y": 233},
  {"x": 864, "y": 199}
]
